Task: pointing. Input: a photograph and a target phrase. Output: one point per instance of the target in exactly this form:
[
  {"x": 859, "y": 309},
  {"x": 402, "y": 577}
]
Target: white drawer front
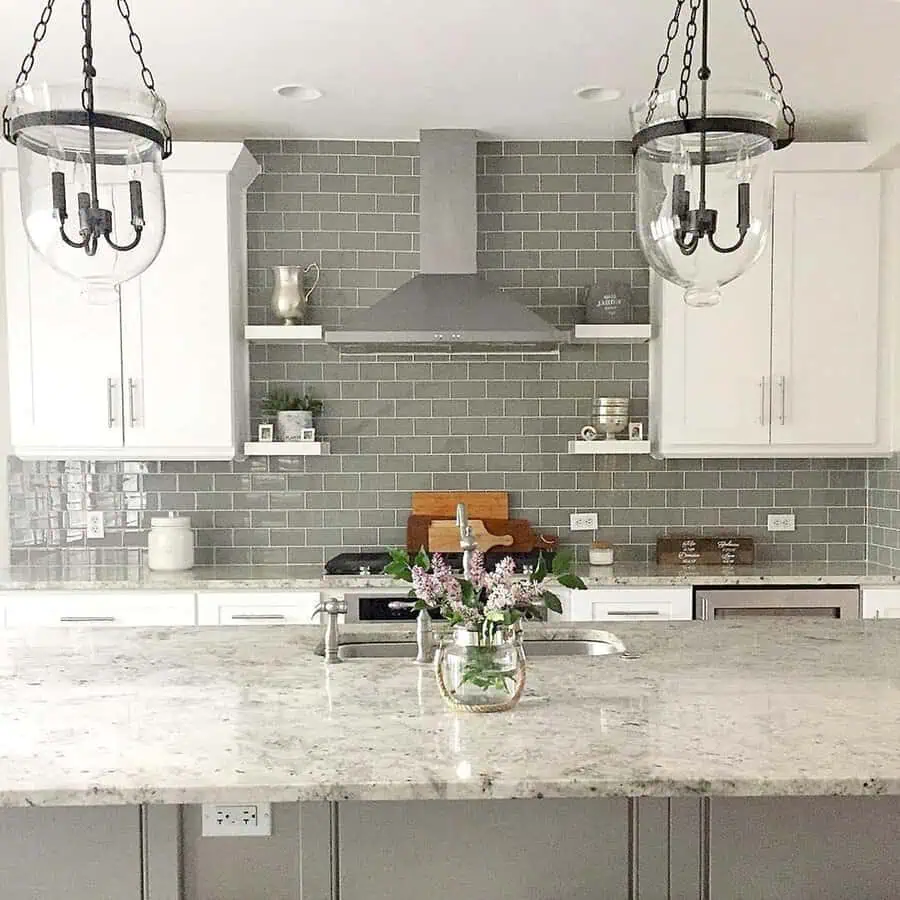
[
  {"x": 99, "y": 608},
  {"x": 257, "y": 607},
  {"x": 881, "y": 603},
  {"x": 629, "y": 604}
]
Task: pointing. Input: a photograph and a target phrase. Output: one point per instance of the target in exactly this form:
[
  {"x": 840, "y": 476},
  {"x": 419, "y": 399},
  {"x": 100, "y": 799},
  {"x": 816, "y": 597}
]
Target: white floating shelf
[
  {"x": 613, "y": 334},
  {"x": 606, "y": 448},
  {"x": 287, "y": 448},
  {"x": 283, "y": 334}
]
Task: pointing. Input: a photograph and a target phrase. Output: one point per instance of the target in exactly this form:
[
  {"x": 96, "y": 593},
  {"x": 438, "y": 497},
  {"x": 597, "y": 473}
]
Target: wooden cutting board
[
  {"x": 479, "y": 504},
  {"x": 443, "y": 537},
  {"x": 524, "y": 540}
]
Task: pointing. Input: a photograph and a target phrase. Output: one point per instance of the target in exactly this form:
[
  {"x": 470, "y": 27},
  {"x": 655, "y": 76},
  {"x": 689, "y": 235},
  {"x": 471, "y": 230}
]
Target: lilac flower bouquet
[
  {"x": 486, "y": 601},
  {"x": 484, "y": 668}
]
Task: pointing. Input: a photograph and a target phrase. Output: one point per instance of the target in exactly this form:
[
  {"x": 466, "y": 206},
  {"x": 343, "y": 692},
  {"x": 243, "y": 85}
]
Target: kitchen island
[{"x": 648, "y": 756}]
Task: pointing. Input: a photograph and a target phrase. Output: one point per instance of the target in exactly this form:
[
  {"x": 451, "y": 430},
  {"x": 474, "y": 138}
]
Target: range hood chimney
[{"x": 447, "y": 305}]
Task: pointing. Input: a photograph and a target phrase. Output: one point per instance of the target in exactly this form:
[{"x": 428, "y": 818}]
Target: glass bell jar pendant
[
  {"x": 703, "y": 161},
  {"x": 90, "y": 168}
]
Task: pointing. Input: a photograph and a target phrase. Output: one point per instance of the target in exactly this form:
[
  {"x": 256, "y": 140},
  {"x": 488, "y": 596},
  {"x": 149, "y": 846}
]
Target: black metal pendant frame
[{"x": 693, "y": 224}]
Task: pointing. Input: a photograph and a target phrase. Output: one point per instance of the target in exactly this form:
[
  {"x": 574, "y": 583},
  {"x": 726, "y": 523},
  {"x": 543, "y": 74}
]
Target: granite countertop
[
  {"x": 202, "y": 578},
  {"x": 186, "y": 715}
]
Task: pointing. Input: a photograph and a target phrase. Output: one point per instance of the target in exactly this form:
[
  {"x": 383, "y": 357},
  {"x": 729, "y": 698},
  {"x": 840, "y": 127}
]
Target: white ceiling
[{"x": 505, "y": 67}]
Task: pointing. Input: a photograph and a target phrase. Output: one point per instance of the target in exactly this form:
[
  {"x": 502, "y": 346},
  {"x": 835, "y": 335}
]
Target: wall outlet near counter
[
  {"x": 95, "y": 524},
  {"x": 237, "y": 820},
  {"x": 583, "y": 522},
  {"x": 781, "y": 523}
]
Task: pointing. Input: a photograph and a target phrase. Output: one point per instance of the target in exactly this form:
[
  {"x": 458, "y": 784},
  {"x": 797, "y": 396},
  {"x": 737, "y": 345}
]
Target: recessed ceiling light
[
  {"x": 598, "y": 94},
  {"x": 302, "y": 92}
]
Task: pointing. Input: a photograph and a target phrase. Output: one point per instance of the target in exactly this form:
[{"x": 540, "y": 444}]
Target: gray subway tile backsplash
[{"x": 554, "y": 216}]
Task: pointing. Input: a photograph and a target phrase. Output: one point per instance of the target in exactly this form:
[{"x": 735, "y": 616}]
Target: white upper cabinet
[
  {"x": 159, "y": 372},
  {"x": 825, "y": 310},
  {"x": 792, "y": 362}
]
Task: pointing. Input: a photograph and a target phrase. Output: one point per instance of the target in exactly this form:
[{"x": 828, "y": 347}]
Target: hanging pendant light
[
  {"x": 90, "y": 164},
  {"x": 703, "y": 160}
]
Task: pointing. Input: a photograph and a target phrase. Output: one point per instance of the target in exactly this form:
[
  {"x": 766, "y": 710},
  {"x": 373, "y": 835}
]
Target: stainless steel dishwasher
[{"x": 803, "y": 600}]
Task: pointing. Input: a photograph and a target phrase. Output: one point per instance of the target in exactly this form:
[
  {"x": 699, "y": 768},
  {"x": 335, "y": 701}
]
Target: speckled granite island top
[
  {"x": 136, "y": 576},
  {"x": 185, "y": 715}
]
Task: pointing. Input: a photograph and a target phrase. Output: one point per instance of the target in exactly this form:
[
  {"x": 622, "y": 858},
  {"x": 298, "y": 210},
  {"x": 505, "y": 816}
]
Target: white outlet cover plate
[
  {"x": 583, "y": 522},
  {"x": 95, "y": 524},
  {"x": 237, "y": 820},
  {"x": 783, "y": 522}
]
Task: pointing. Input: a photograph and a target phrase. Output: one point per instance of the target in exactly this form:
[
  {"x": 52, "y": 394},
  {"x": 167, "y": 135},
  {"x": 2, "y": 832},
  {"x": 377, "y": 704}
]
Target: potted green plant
[{"x": 292, "y": 411}]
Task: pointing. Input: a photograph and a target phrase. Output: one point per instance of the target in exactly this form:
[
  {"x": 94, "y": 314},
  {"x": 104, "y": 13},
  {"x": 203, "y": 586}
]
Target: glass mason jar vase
[{"x": 476, "y": 673}]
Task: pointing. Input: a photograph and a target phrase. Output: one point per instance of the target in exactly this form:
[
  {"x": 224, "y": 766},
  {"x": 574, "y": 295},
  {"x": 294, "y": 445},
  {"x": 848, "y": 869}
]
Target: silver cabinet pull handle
[
  {"x": 634, "y": 612},
  {"x": 71, "y": 619},
  {"x": 762, "y": 400},
  {"x": 782, "y": 389},
  {"x": 257, "y": 617},
  {"x": 110, "y": 402},
  {"x": 132, "y": 414},
  {"x": 401, "y": 604}
]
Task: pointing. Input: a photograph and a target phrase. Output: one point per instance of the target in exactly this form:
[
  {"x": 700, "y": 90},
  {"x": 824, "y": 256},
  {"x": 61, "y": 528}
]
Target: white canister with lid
[{"x": 170, "y": 544}]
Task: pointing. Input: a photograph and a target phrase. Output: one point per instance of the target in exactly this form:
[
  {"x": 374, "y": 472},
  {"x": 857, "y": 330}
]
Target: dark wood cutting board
[{"x": 524, "y": 538}]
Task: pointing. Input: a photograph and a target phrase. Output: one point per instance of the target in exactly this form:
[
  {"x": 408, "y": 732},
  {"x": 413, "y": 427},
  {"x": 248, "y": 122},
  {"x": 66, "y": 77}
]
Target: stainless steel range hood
[{"x": 447, "y": 306}]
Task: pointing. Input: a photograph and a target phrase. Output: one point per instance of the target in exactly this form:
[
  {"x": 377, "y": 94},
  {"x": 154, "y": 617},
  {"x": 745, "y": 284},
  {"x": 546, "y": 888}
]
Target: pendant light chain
[
  {"x": 688, "y": 60},
  {"x": 40, "y": 32},
  {"x": 137, "y": 45},
  {"x": 662, "y": 64},
  {"x": 762, "y": 48}
]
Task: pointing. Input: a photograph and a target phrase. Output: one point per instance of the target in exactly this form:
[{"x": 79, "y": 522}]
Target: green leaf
[
  {"x": 422, "y": 560},
  {"x": 468, "y": 592},
  {"x": 571, "y": 581},
  {"x": 561, "y": 562},
  {"x": 551, "y": 601},
  {"x": 540, "y": 570}
]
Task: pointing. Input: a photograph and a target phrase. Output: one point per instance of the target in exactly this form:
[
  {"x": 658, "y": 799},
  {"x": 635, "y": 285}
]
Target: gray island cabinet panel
[
  {"x": 70, "y": 853},
  {"x": 796, "y": 848},
  {"x": 490, "y": 850}
]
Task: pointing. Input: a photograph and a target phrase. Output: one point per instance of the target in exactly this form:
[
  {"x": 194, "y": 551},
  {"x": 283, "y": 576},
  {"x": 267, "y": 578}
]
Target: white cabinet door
[
  {"x": 177, "y": 333},
  {"x": 825, "y": 343},
  {"x": 634, "y": 604},
  {"x": 881, "y": 603},
  {"x": 65, "y": 366},
  {"x": 26, "y": 609},
  {"x": 256, "y": 607},
  {"x": 714, "y": 381}
]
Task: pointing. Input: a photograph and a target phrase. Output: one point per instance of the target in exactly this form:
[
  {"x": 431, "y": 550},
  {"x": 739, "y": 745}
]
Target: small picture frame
[
  {"x": 635, "y": 431},
  {"x": 265, "y": 433},
  {"x": 307, "y": 434}
]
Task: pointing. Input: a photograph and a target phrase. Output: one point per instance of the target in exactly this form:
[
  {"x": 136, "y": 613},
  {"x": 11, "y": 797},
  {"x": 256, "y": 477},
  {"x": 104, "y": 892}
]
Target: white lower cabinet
[
  {"x": 98, "y": 608},
  {"x": 627, "y": 604},
  {"x": 256, "y": 607},
  {"x": 881, "y": 603}
]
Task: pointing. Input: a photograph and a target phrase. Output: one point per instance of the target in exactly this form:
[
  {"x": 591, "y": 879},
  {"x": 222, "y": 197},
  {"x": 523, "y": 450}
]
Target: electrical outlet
[
  {"x": 95, "y": 524},
  {"x": 241, "y": 820},
  {"x": 780, "y": 523},
  {"x": 582, "y": 521}
]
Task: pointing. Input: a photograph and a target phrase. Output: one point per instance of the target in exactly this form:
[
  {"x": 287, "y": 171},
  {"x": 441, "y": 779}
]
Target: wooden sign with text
[{"x": 724, "y": 550}]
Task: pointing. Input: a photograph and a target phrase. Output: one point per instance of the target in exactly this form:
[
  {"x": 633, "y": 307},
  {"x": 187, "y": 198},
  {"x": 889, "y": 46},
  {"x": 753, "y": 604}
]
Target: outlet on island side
[
  {"x": 95, "y": 524},
  {"x": 237, "y": 820},
  {"x": 781, "y": 522},
  {"x": 583, "y": 522}
]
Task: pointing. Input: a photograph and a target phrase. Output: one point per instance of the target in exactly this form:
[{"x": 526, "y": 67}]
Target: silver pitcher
[{"x": 289, "y": 298}]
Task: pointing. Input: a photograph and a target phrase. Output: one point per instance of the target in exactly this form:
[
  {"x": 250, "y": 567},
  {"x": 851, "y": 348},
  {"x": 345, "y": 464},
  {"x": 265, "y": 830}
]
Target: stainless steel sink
[{"x": 533, "y": 648}]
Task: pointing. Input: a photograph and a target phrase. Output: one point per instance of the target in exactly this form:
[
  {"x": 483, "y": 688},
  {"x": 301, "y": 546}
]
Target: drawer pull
[
  {"x": 257, "y": 617},
  {"x": 74, "y": 619},
  {"x": 634, "y": 612}
]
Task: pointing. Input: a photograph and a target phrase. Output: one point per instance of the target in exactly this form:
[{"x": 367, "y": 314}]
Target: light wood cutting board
[
  {"x": 443, "y": 537},
  {"x": 479, "y": 504},
  {"x": 524, "y": 538}
]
